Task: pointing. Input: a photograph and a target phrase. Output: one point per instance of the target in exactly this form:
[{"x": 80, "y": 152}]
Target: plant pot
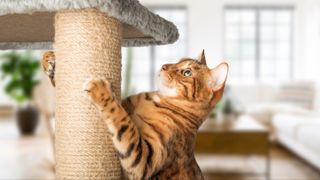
[{"x": 27, "y": 120}]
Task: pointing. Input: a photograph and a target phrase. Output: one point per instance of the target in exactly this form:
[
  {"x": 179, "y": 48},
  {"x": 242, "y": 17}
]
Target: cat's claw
[{"x": 98, "y": 89}]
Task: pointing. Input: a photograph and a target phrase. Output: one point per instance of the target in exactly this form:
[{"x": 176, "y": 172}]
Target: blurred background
[{"x": 267, "y": 126}]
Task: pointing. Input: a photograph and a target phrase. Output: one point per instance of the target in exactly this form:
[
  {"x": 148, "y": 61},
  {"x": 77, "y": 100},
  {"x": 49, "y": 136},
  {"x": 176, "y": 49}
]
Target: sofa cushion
[
  {"x": 299, "y": 93},
  {"x": 264, "y": 112},
  {"x": 309, "y": 135},
  {"x": 286, "y": 124},
  {"x": 304, "y": 129}
]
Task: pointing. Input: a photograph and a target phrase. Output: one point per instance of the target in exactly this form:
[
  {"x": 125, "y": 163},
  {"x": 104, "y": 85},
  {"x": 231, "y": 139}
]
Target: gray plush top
[{"x": 153, "y": 29}]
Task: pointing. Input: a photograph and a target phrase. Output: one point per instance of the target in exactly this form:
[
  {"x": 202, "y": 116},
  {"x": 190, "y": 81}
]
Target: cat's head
[{"x": 192, "y": 79}]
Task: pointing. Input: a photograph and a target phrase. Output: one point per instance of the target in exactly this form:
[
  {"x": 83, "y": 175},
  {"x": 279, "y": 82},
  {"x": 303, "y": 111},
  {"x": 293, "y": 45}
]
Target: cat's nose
[{"x": 164, "y": 67}]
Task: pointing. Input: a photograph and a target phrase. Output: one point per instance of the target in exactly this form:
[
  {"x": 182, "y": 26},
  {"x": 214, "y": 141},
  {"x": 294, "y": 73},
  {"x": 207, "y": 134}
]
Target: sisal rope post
[{"x": 87, "y": 44}]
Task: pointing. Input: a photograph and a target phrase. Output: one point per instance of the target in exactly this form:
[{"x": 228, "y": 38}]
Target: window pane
[
  {"x": 282, "y": 69},
  {"x": 282, "y": 32},
  {"x": 240, "y": 42},
  {"x": 232, "y": 49},
  {"x": 267, "y": 32},
  {"x": 232, "y": 16},
  {"x": 283, "y": 17},
  {"x": 233, "y": 32},
  {"x": 164, "y": 13},
  {"x": 247, "y": 17},
  {"x": 132, "y": 61},
  {"x": 248, "y": 32},
  {"x": 283, "y": 50},
  {"x": 248, "y": 50},
  {"x": 275, "y": 48},
  {"x": 273, "y": 45},
  {"x": 182, "y": 32},
  {"x": 141, "y": 83},
  {"x": 179, "y": 16},
  {"x": 235, "y": 67},
  {"x": 248, "y": 68},
  {"x": 267, "y": 50},
  {"x": 267, "y": 16},
  {"x": 267, "y": 67}
]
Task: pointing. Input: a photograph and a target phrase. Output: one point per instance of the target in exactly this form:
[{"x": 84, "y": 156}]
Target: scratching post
[
  {"x": 88, "y": 36},
  {"x": 87, "y": 44}
]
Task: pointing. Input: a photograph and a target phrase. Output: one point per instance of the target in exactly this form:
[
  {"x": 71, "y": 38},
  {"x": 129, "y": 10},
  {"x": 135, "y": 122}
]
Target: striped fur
[{"x": 154, "y": 132}]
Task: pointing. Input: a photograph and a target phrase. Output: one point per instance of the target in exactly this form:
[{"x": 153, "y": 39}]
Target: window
[
  {"x": 258, "y": 42},
  {"x": 142, "y": 64}
]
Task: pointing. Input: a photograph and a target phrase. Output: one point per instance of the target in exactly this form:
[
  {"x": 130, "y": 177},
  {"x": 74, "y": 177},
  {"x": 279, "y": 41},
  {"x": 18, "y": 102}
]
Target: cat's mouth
[
  {"x": 166, "y": 85},
  {"x": 166, "y": 79}
]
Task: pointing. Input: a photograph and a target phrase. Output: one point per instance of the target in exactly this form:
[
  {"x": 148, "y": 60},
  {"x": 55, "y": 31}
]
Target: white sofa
[
  {"x": 292, "y": 123},
  {"x": 300, "y": 134}
]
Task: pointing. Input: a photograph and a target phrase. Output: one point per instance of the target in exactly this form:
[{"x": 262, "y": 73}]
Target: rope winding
[{"x": 87, "y": 44}]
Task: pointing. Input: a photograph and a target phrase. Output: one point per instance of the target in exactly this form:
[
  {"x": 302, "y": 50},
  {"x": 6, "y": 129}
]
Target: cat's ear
[
  {"x": 218, "y": 80},
  {"x": 202, "y": 58},
  {"x": 219, "y": 76}
]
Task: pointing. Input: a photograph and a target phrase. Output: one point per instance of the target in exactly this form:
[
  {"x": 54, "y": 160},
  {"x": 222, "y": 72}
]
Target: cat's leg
[
  {"x": 133, "y": 150},
  {"x": 48, "y": 64}
]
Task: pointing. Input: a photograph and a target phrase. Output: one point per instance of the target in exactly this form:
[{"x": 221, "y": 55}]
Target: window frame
[{"x": 257, "y": 10}]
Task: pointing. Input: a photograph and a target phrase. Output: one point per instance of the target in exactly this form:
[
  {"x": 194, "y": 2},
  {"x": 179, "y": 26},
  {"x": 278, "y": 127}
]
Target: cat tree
[{"x": 87, "y": 36}]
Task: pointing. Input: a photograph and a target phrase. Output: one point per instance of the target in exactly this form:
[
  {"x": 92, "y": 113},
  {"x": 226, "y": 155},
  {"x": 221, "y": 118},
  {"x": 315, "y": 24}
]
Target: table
[{"x": 243, "y": 136}]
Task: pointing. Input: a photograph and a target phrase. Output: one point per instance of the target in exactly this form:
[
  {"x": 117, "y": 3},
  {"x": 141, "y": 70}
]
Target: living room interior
[{"x": 265, "y": 127}]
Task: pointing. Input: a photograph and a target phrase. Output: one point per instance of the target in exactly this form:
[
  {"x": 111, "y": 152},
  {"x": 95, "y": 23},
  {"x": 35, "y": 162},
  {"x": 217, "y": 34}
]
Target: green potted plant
[{"x": 19, "y": 72}]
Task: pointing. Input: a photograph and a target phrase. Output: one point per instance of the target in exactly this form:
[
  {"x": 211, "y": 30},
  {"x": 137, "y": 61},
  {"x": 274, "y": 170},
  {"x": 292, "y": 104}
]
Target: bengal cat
[{"x": 154, "y": 132}]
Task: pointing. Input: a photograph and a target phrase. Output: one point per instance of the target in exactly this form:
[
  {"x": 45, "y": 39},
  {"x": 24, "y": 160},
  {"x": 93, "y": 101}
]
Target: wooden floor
[
  {"x": 284, "y": 166},
  {"x": 29, "y": 157},
  {"x": 32, "y": 158}
]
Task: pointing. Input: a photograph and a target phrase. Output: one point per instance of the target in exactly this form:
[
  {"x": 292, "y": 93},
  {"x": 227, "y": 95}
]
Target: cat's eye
[{"x": 187, "y": 72}]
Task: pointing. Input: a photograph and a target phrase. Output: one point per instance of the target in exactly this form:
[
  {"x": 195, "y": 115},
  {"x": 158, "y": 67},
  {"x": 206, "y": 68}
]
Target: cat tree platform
[{"x": 86, "y": 36}]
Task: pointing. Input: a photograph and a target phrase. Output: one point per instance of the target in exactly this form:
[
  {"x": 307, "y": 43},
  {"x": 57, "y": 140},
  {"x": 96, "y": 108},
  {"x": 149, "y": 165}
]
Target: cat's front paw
[
  {"x": 48, "y": 64},
  {"x": 98, "y": 90}
]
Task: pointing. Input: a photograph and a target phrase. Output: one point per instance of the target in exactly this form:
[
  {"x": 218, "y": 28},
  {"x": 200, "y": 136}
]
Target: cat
[{"x": 154, "y": 132}]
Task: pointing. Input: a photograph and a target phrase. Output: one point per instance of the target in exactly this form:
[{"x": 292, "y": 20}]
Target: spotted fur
[{"x": 154, "y": 132}]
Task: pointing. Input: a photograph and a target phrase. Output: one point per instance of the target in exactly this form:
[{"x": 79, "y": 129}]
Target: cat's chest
[
  {"x": 146, "y": 109},
  {"x": 145, "y": 115}
]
